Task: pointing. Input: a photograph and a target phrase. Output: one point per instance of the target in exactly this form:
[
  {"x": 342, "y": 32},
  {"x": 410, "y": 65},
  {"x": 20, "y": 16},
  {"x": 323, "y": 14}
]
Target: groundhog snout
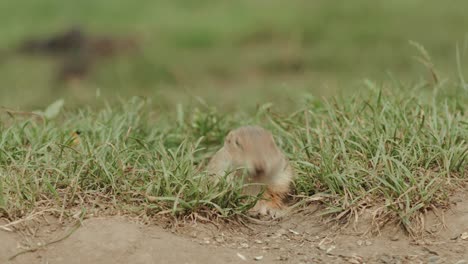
[{"x": 259, "y": 169}]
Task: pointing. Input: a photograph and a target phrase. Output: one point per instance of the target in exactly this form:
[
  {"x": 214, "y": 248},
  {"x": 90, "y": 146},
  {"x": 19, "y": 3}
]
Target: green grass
[
  {"x": 402, "y": 150},
  {"x": 209, "y": 47},
  {"x": 397, "y": 145}
]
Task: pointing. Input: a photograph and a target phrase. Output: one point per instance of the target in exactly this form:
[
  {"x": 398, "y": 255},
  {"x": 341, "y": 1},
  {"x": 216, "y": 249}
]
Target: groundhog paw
[{"x": 263, "y": 208}]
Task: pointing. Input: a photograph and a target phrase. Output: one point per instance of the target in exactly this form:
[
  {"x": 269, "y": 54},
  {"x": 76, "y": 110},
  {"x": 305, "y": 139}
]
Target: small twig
[
  {"x": 197, "y": 216},
  {"x": 30, "y": 217},
  {"x": 22, "y": 113},
  {"x": 63, "y": 208},
  {"x": 6, "y": 228},
  {"x": 441, "y": 216},
  {"x": 68, "y": 234},
  {"x": 128, "y": 133}
]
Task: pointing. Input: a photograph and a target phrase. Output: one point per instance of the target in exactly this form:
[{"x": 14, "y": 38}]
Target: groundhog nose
[{"x": 259, "y": 170}]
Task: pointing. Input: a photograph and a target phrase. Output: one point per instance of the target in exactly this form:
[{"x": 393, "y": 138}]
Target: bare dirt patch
[{"x": 300, "y": 238}]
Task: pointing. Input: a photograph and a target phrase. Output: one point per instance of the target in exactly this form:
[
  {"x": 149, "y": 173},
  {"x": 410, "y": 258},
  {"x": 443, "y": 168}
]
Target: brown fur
[{"x": 254, "y": 148}]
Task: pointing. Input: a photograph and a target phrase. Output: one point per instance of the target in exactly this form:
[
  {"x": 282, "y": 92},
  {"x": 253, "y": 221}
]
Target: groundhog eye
[{"x": 238, "y": 144}]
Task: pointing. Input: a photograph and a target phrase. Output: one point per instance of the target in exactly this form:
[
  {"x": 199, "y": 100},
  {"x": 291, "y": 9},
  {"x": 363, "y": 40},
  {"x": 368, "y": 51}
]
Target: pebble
[
  {"x": 464, "y": 236},
  {"x": 258, "y": 258},
  {"x": 354, "y": 261},
  {"x": 244, "y": 245},
  {"x": 329, "y": 250},
  {"x": 294, "y": 232},
  {"x": 322, "y": 247},
  {"x": 386, "y": 259},
  {"x": 433, "y": 259},
  {"x": 279, "y": 233},
  {"x": 241, "y": 256}
]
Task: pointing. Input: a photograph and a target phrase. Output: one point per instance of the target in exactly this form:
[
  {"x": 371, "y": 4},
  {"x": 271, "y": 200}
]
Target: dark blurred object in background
[
  {"x": 77, "y": 51},
  {"x": 69, "y": 41}
]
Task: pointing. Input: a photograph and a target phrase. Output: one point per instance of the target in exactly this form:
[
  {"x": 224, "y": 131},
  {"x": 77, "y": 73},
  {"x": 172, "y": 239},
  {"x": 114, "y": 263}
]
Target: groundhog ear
[
  {"x": 227, "y": 139},
  {"x": 228, "y": 136}
]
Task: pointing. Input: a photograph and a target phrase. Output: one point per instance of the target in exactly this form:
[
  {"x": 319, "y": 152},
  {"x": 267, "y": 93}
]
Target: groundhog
[{"x": 253, "y": 148}]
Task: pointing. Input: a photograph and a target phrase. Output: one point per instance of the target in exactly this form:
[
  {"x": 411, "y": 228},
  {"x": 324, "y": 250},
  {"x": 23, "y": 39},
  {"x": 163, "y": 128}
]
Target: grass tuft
[{"x": 401, "y": 151}]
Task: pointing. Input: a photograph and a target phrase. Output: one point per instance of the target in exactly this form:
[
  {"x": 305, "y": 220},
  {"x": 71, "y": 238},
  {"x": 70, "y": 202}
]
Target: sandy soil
[{"x": 298, "y": 239}]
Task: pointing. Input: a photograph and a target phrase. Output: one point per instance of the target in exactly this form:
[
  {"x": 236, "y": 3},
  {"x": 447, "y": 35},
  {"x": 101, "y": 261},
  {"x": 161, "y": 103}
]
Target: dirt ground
[{"x": 300, "y": 238}]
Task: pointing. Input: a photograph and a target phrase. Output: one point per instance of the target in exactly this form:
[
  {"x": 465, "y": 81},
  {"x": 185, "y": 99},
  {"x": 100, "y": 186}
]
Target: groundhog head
[{"x": 254, "y": 149}]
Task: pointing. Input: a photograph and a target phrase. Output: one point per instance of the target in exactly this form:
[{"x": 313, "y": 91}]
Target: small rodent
[{"x": 254, "y": 149}]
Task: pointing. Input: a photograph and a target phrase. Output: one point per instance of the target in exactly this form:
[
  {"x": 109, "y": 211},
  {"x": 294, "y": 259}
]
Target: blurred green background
[{"x": 245, "y": 52}]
